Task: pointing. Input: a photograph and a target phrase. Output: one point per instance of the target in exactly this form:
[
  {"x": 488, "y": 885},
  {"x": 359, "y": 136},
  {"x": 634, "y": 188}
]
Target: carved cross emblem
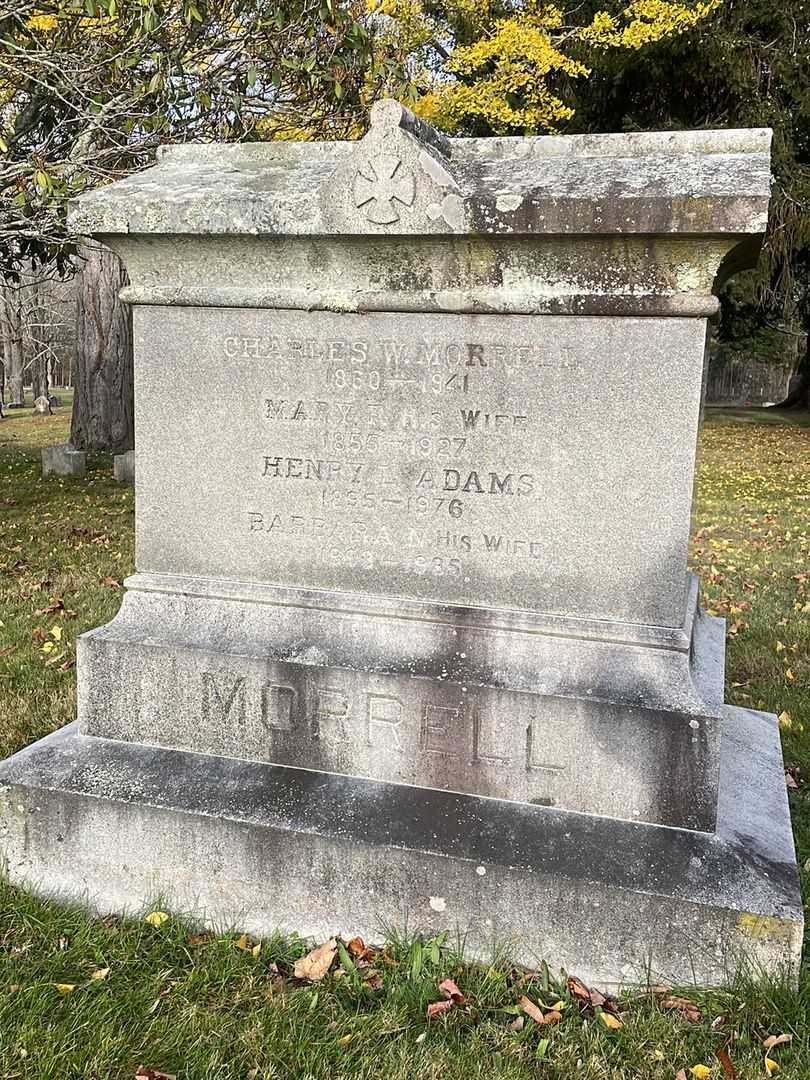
[{"x": 379, "y": 184}]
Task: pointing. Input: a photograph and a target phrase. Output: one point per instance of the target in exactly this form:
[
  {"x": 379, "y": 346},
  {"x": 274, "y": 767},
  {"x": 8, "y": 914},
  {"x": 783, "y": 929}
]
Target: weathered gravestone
[
  {"x": 124, "y": 467},
  {"x": 412, "y": 637},
  {"x": 63, "y": 459}
]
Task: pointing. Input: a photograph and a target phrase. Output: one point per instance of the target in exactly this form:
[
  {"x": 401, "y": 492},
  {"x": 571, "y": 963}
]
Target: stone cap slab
[{"x": 405, "y": 178}]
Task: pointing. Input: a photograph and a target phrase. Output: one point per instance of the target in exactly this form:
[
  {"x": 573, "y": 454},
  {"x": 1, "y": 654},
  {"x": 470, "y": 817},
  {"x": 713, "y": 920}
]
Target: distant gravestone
[
  {"x": 42, "y": 406},
  {"x": 124, "y": 467},
  {"x": 412, "y": 639},
  {"x": 63, "y": 460}
]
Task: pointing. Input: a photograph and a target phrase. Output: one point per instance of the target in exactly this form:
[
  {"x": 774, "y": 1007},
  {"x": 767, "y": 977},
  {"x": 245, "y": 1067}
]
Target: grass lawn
[{"x": 90, "y": 998}]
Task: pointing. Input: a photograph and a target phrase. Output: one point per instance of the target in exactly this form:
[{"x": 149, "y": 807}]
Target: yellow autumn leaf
[
  {"x": 700, "y": 1072},
  {"x": 156, "y": 918},
  {"x": 770, "y": 1066},
  {"x": 344, "y": 1039},
  {"x": 48, "y": 647},
  {"x": 610, "y": 1021},
  {"x": 56, "y": 633},
  {"x": 101, "y": 973},
  {"x": 789, "y": 675},
  {"x": 242, "y": 943},
  {"x": 558, "y": 1006},
  {"x": 65, "y": 988},
  {"x": 785, "y": 721},
  {"x": 256, "y": 949},
  {"x": 780, "y": 647}
]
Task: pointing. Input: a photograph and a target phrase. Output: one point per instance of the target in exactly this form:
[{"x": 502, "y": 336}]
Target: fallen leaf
[
  {"x": 55, "y": 605},
  {"x": 700, "y": 1072},
  {"x": 344, "y": 1039},
  {"x": 790, "y": 782},
  {"x": 610, "y": 1021},
  {"x": 101, "y": 973},
  {"x": 356, "y": 947},
  {"x": 725, "y": 1061},
  {"x": 257, "y": 948},
  {"x": 517, "y": 1024},
  {"x": 373, "y": 979},
  {"x": 56, "y": 633},
  {"x": 579, "y": 990},
  {"x": 199, "y": 939},
  {"x": 315, "y": 964},
  {"x": 531, "y": 1010},
  {"x": 437, "y": 1007},
  {"x": 153, "y": 1074},
  {"x": 156, "y": 918},
  {"x": 65, "y": 988},
  {"x": 449, "y": 989},
  {"x": 680, "y": 1074},
  {"x": 770, "y": 1066},
  {"x": 111, "y": 583},
  {"x": 688, "y": 1010},
  {"x": 776, "y": 1040}
]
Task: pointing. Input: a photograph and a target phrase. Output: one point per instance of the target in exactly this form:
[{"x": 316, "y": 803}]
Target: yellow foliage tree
[{"x": 499, "y": 66}]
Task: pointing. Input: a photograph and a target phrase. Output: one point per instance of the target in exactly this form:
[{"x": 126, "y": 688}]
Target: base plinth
[{"x": 259, "y": 847}]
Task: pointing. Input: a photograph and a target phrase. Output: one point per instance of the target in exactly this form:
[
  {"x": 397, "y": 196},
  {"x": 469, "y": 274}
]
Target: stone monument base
[{"x": 259, "y": 847}]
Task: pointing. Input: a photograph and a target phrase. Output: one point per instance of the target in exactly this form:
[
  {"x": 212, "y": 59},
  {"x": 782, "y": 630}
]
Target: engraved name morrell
[{"x": 334, "y": 714}]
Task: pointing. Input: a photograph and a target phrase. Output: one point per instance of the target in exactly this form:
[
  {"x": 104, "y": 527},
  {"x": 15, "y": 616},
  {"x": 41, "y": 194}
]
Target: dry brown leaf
[
  {"x": 726, "y": 1062},
  {"x": 531, "y": 1010},
  {"x": 680, "y": 1074},
  {"x": 315, "y": 964},
  {"x": 776, "y": 1040},
  {"x": 373, "y": 979},
  {"x": 552, "y": 1017},
  {"x": 153, "y": 1074},
  {"x": 517, "y": 1024},
  {"x": 688, "y": 1010},
  {"x": 111, "y": 583},
  {"x": 356, "y": 947},
  {"x": 449, "y": 989},
  {"x": 199, "y": 939},
  {"x": 579, "y": 990},
  {"x": 437, "y": 1007}
]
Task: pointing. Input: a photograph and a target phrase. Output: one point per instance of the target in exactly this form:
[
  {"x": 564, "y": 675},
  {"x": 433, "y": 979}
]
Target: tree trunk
[
  {"x": 13, "y": 353},
  {"x": 103, "y": 375},
  {"x": 799, "y": 396}
]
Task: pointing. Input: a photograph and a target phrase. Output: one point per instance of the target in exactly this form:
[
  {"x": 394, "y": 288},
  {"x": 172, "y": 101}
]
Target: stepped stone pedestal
[{"x": 412, "y": 638}]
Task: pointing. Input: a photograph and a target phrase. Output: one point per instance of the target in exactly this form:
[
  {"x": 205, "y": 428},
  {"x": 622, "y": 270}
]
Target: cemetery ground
[{"x": 101, "y": 998}]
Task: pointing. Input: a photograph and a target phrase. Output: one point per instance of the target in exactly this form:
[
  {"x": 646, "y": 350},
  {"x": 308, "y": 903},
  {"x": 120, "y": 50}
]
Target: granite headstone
[{"x": 412, "y": 637}]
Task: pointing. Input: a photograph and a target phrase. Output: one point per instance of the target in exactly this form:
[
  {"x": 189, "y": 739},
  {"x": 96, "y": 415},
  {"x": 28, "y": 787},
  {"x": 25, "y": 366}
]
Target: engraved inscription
[
  {"x": 336, "y": 724},
  {"x": 400, "y": 454},
  {"x": 223, "y": 699}
]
